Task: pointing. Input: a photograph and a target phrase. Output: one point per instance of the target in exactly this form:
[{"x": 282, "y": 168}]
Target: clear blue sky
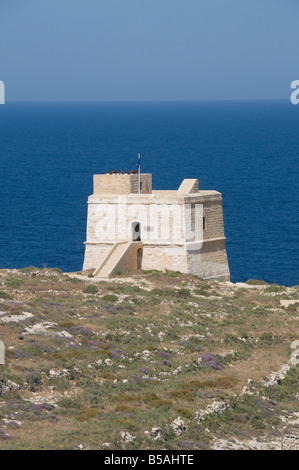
[{"x": 148, "y": 49}]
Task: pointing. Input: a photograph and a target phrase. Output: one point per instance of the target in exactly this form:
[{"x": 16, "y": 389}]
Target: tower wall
[
  {"x": 159, "y": 257},
  {"x": 111, "y": 184},
  {"x": 179, "y": 231},
  {"x": 94, "y": 254},
  {"x": 110, "y": 220},
  {"x": 119, "y": 183},
  {"x": 210, "y": 261},
  {"x": 213, "y": 214}
]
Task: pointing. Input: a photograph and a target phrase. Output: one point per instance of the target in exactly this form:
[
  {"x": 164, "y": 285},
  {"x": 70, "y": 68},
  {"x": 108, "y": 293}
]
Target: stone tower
[{"x": 130, "y": 227}]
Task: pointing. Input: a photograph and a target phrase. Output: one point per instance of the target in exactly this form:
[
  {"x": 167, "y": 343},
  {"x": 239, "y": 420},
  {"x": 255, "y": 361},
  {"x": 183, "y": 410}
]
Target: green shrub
[
  {"x": 74, "y": 280},
  {"x": 287, "y": 388},
  {"x": 201, "y": 291},
  {"x": 256, "y": 282},
  {"x": 273, "y": 289},
  {"x": 66, "y": 324},
  {"x": 4, "y": 295},
  {"x": 267, "y": 337},
  {"x": 154, "y": 272},
  {"x": 292, "y": 308},
  {"x": 127, "y": 423},
  {"x": 185, "y": 413},
  {"x": 87, "y": 414},
  {"x": 14, "y": 282},
  {"x": 90, "y": 289},
  {"x": 124, "y": 409},
  {"x": 183, "y": 293},
  {"x": 172, "y": 273},
  {"x": 109, "y": 298},
  {"x": 29, "y": 269},
  {"x": 56, "y": 270},
  {"x": 69, "y": 404}
]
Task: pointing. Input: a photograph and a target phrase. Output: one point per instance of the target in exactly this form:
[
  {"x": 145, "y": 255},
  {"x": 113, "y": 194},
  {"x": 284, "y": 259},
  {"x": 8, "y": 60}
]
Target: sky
[{"x": 140, "y": 50}]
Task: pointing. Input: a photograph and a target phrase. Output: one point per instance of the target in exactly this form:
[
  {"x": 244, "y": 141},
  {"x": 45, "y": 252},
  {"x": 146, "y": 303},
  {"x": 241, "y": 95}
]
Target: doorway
[{"x": 136, "y": 231}]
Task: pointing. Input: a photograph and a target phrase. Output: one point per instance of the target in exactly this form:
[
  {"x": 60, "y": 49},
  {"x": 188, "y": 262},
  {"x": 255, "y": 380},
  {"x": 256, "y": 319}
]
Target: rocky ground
[{"x": 154, "y": 361}]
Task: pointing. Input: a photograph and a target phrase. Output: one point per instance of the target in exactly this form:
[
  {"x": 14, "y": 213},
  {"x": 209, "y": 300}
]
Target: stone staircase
[{"x": 121, "y": 258}]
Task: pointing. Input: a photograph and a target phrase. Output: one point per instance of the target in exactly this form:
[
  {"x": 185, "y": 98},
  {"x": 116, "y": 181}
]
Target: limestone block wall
[
  {"x": 95, "y": 254},
  {"x": 119, "y": 183},
  {"x": 162, "y": 257},
  {"x": 210, "y": 261},
  {"x": 111, "y": 184},
  {"x": 145, "y": 183},
  {"x": 207, "y": 258},
  {"x": 212, "y": 211},
  {"x": 193, "y": 222},
  {"x": 128, "y": 263},
  {"x": 109, "y": 220},
  {"x": 172, "y": 229},
  {"x": 164, "y": 223},
  {"x": 102, "y": 223}
]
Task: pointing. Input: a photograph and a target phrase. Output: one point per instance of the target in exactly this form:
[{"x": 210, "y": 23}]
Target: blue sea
[{"x": 248, "y": 151}]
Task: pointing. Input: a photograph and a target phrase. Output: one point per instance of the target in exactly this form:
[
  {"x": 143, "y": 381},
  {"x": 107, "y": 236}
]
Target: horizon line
[{"x": 147, "y": 100}]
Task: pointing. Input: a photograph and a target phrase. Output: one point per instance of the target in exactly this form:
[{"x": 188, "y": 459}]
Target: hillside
[{"x": 154, "y": 361}]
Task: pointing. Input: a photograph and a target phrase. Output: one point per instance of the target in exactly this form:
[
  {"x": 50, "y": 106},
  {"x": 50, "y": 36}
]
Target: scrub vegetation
[{"x": 151, "y": 361}]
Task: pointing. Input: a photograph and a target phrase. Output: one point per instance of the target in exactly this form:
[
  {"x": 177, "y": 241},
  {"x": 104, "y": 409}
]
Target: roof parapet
[{"x": 189, "y": 186}]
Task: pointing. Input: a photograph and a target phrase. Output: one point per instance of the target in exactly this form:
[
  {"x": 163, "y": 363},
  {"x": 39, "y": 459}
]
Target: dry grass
[{"x": 134, "y": 354}]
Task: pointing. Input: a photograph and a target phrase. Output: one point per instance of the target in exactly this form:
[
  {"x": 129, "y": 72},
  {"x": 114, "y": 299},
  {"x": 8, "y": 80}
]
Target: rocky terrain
[{"x": 152, "y": 361}]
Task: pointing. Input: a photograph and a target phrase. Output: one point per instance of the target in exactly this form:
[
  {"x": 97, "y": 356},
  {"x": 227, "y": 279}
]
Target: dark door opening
[{"x": 136, "y": 232}]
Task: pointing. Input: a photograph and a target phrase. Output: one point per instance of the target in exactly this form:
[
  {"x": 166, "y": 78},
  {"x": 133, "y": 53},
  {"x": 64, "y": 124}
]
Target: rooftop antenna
[{"x": 138, "y": 168}]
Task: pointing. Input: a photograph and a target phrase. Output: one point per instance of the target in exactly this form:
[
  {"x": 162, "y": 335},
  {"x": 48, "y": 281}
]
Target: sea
[{"x": 247, "y": 150}]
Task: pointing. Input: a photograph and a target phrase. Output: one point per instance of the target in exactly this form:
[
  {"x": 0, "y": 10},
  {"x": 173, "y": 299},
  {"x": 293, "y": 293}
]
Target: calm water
[{"x": 247, "y": 150}]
